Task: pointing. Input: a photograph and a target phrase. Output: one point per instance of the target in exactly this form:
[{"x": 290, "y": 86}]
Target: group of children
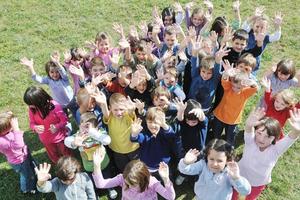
[{"x": 163, "y": 108}]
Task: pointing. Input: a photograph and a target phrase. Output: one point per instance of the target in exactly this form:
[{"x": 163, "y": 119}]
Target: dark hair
[
  {"x": 248, "y": 59},
  {"x": 191, "y": 104},
  {"x": 48, "y": 65},
  {"x": 219, "y": 24},
  {"x": 39, "y": 98},
  {"x": 67, "y": 167},
  {"x": 219, "y": 145},
  {"x": 272, "y": 126},
  {"x": 136, "y": 173},
  {"x": 240, "y": 34},
  {"x": 75, "y": 55},
  {"x": 286, "y": 66},
  {"x": 168, "y": 11}
]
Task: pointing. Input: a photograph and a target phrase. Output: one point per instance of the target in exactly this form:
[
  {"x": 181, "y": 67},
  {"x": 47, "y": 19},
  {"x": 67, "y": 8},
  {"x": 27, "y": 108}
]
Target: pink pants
[
  {"x": 255, "y": 192},
  {"x": 57, "y": 150}
]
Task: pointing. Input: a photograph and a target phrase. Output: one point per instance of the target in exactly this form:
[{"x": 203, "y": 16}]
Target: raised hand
[
  {"x": 233, "y": 170},
  {"x": 192, "y": 33},
  {"x": 179, "y": 105},
  {"x": 14, "y": 124},
  {"x": 160, "y": 74},
  {"x": 208, "y": 16},
  {"x": 236, "y": 6},
  {"x": 278, "y": 19},
  {"x": 191, "y": 156},
  {"x": 43, "y": 173},
  {"x": 213, "y": 36},
  {"x": 143, "y": 72},
  {"x": 79, "y": 139},
  {"x": 124, "y": 43},
  {"x": 196, "y": 45},
  {"x": 156, "y": 29},
  {"x": 259, "y": 11},
  {"x": 139, "y": 104},
  {"x": 227, "y": 66},
  {"x": 77, "y": 71},
  {"x": 55, "y": 57},
  {"x": 254, "y": 117},
  {"x": 133, "y": 32},
  {"x": 98, "y": 157},
  {"x": 189, "y": 5},
  {"x": 223, "y": 51},
  {"x": 295, "y": 120},
  {"x": 266, "y": 83},
  {"x": 119, "y": 29},
  {"x": 144, "y": 28},
  {"x": 129, "y": 104},
  {"x": 198, "y": 112},
  {"x": 208, "y": 4},
  {"x": 182, "y": 55},
  {"x": 52, "y": 128},
  {"x": 115, "y": 58},
  {"x": 136, "y": 127},
  {"x": 163, "y": 171},
  {"x": 228, "y": 35},
  {"x": 25, "y": 61},
  {"x": 67, "y": 55},
  {"x": 99, "y": 96},
  {"x": 39, "y": 129}
]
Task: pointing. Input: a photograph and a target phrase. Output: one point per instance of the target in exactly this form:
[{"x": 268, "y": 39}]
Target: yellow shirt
[
  {"x": 119, "y": 129},
  {"x": 231, "y": 107}
]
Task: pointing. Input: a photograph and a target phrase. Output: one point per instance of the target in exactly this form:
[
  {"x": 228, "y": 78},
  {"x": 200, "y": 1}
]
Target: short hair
[
  {"x": 271, "y": 125},
  {"x": 247, "y": 59},
  {"x": 89, "y": 117},
  {"x": 48, "y": 65},
  {"x": 141, "y": 45},
  {"x": 191, "y": 104},
  {"x": 207, "y": 62},
  {"x": 161, "y": 91},
  {"x": 219, "y": 145},
  {"x": 240, "y": 34},
  {"x": 239, "y": 77},
  {"x": 286, "y": 66},
  {"x": 172, "y": 71},
  {"x": 67, "y": 167},
  {"x": 116, "y": 98},
  {"x": 101, "y": 36},
  {"x": 5, "y": 119},
  {"x": 288, "y": 97},
  {"x": 136, "y": 173},
  {"x": 96, "y": 61},
  {"x": 153, "y": 112},
  {"x": 169, "y": 31}
]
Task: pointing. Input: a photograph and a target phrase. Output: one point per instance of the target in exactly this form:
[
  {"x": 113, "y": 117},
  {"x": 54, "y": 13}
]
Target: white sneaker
[
  {"x": 113, "y": 194},
  {"x": 179, "y": 180}
]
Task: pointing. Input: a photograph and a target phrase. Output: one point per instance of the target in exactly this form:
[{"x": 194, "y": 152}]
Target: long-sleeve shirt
[
  {"x": 61, "y": 89},
  {"x": 201, "y": 90},
  {"x": 150, "y": 193},
  {"x": 256, "y": 166},
  {"x": 81, "y": 189},
  {"x": 57, "y": 117},
  {"x": 13, "y": 147},
  {"x": 212, "y": 186},
  {"x": 155, "y": 149}
]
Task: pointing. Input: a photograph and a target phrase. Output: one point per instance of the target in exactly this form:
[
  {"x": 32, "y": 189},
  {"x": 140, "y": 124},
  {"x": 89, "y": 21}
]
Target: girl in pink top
[
  {"x": 136, "y": 181},
  {"x": 262, "y": 151},
  {"x": 48, "y": 120},
  {"x": 16, "y": 152}
]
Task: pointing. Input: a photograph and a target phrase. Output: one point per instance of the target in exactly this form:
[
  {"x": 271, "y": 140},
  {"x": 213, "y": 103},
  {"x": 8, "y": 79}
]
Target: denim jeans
[
  {"x": 27, "y": 175},
  {"x": 218, "y": 127}
]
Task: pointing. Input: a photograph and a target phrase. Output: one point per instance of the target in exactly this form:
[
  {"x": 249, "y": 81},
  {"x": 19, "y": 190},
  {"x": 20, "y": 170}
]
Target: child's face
[
  {"x": 141, "y": 87},
  {"x": 244, "y": 68},
  {"x": 169, "y": 80},
  {"x": 141, "y": 55},
  {"x": 168, "y": 21},
  {"x": 192, "y": 123},
  {"x": 262, "y": 139},
  {"x": 97, "y": 70},
  {"x": 206, "y": 74},
  {"x": 103, "y": 46},
  {"x": 236, "y": 87},
  {"x": 153, "y": 127},
  {"x": 283, "y": 77},
  {"x": 85, "y": 127},
  {"x": 279, "y": 104},
  {"x": 216, "y": 161},
  {"x": 170, "y": 40},
  {"x": 160, "y": 101},
  {"x": 54, "y": 74},
  {"x": 118, "y": 110},
  {"x": 69, "y": 181},
  {"x": 260, "y": 26},
  {"x": 197, "y": 19},
  {"x": 239, "y": 45},
  {"x": 169, "y": 63}
]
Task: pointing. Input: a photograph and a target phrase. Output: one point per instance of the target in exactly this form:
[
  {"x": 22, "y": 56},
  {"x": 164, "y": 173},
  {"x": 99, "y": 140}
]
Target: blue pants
[
  {"x": 27, "y": 175},
  {"x": 218, "y": 126}
]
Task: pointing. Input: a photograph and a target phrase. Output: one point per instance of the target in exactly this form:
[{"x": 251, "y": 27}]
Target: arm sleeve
[
  {"x": 100, "y": 137},
  {"x": 192, "y": 169},
  {"x": 31, "y": 120},
  {"x": 241, "y": 185},
  {"x": 282, "y": 145},
  {"x": 63, "y": 73},
  {"x": 246, "y": 26},
  {"x": 275, "y": 36},
  {"x": 49, "y": 186},
  {"x": 68, "y": 142},
  {"x": 61, "y": 115},
  {"x": 166, "y": 192},
  {"x": 225, "y": 84},
  {"x": 89, "y": 188},
  {"x": 100, "y": 182},
  {"x": 40, "y": 79},
  {"x": 179, "y": 18},
  {"x": 181, "y": 66},
  {"x": 179, "y": 92},
  {"x": 195, "y": 67},
  {"x": 140, "y": 138}
]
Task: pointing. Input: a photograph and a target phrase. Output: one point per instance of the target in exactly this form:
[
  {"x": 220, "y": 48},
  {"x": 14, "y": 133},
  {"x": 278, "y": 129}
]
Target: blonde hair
[
  {"x": 288, "y": 96},
  {"x": 89, "y": 117},
  {"x": 5, "y": 119},
  {"x": 208, "y": 62},
  {"x": 172, "y": 71},
  {"x": 248, "y": 60},
  {"x": 161, "y": 91},
  {"x": 116, "y": 98},
  {"x": 239, "y": 77},
  {"x": 153, "y": 113}
]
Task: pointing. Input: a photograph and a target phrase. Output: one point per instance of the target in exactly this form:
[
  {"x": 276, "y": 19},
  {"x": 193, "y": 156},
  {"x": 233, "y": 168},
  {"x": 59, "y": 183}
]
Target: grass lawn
[{"x": 35, "y": 28}]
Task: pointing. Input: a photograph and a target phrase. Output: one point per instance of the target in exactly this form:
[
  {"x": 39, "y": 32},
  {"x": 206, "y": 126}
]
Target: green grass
[{"x": 36, "y": 28}]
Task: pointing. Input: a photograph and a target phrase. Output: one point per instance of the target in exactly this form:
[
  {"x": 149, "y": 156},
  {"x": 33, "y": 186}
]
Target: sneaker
[
  {"x": 179, "y": 180},
  {"x": 113, "y": 194},
  {"x": 32, "y": 192}
]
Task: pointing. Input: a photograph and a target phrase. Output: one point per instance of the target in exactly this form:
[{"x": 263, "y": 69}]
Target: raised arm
[
  {"x": 254, "y": 120},
  {"x": 295, "y": 123},
  {"x": 180, "y": 106}
]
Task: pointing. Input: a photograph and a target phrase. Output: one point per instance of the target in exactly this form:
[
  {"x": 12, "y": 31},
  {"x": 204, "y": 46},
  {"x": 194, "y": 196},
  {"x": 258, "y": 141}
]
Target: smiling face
[
  {"x": 153, "y": 127},
  {"x": 206, "y": 74},
  {"x": 197, "y": 19},
  {"x": 279, "y": 103},
  {"x": 216, "y": 161},
  {"x": 53, "y": 73},
  {"x": 262, "y": 139},
  {"x": 103, "y": 46},
  {"x": 142, "y": 86},
  {"x": 168, "y": 20},
  {"x": 239, "y": 45},
  {"x": 244, "y": 68},
  {"x": 140, "y": 55},
  {"x": 260, "y": 26},
  {"x": 169, "y": 80},
  {"x": 97, "y": 70},
  {"x": 170, "y": 40},
  {"x": 283, "y": 77}
]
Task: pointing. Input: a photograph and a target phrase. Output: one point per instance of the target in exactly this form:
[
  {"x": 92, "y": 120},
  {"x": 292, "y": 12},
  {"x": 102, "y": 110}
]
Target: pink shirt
[
  {"x": 13, "y": 147},
  {"x": 105, "y": 57},
  {"x": 57, "y": 117},
  {"x": 150, "y": 193},
  {"x": 256, "y": 166}
]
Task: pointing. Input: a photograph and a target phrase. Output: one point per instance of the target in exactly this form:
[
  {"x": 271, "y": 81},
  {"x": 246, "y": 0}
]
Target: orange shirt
[{"x": 231, "y": 107}]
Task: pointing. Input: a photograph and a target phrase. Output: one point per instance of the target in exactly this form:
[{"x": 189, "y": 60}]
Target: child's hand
[
  {"x": 143, "y": 72},
  {"x": 79, "y": 139},
  {"x": 25, "y": 61},
  {"x": 182, "y": 55},
  {"x": 114, "y": 58},
  {"x": 179, "y": 105},
  {"x": 124, "y": 43},
  {"x": 139, "y": 104},
  {"x": 208, "y": 16},
  {"x": 129, "y": 104},
  {"x": 259, "y": 11},
  {"x": 295, "y": 120},
  {"x": 133, "y": 32},
  {"x": 177, "y": 7},
  {"x": 99, "y": 96},
  {"x": 223, "y": 51},
  {"x": 39, "y": 129},
  {"x": 135, "y": 80},
  {"x": 278, "y": 19},
  {"x": 67, "y": 56},
  {"x": 254, "y": 117},
  {"x": 236, "y": 6},
  {"x": 266, "y": 83},
  {"x": 196, "y": 45},
  {"x": 149, "y": 48},
  {"x": 208, "y": 4},
  {"x": 14, "y": 124},
  {"x": 163, "y": 171},
  {"x": 156, "y": 29},
  {"x": 144, "y": 28},
  {"x": 136, "y": 127},
  {"x": 161, "y": 120},
  {"x": 226, "y": 65},
  {"x": 199, "y": 113},
  {"x": 55, "y": 57},
  {"x": 43, "y": 173},
  {"x": 228, "y": 35},
  {"x": 119, "y": 29},
  {"x": 76, "y": 71},
  {"x": 160, "y": 74},
  {"x": 233, "y": 170},
  {"x": 52, "y": 128},
  {"x": 191, "y": 156},
  {"x": 98, "y": 157},
  {"x": 189, "y": 5},
  {"x": 213, "y": 36}
]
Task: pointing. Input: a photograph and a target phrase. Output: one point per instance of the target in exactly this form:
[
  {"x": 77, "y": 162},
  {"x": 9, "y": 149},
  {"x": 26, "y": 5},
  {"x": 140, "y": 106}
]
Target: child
[
  {"x": 88, "y": 140},
  {"x": 155, "y": 140},
  {"x": 58, "y": 81},
  {"x": 119, "y": 118},
  {"x": 136, "y": 180},
  {"x": 69, "y": 184},
  {"x": 262, "y": 151},
  {"x": 237, "y": 90},
  {"x": 218, "y": 173},
  {"x": 48, "y": 120},
  {"x": 16, "y": 151}
]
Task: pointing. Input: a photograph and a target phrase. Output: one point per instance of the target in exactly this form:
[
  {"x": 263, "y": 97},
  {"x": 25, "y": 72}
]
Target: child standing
[
  {"x": 262, "y": 151},
  {"x": 136, "y": 181},
  {"x": 48, "y": 120},
  {"x": 69, "y": 184},
  {"x": 16, "y": 151},
  {"x": 218, "y": 173}
]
